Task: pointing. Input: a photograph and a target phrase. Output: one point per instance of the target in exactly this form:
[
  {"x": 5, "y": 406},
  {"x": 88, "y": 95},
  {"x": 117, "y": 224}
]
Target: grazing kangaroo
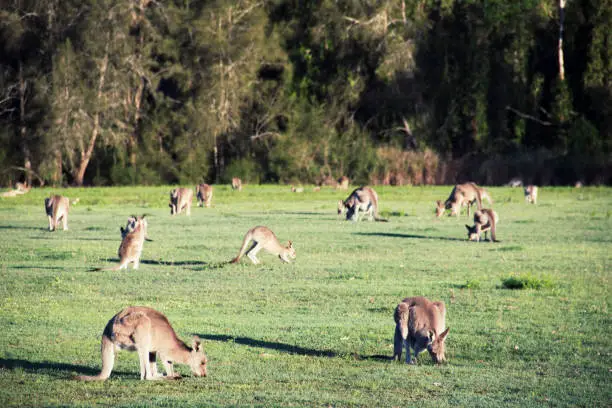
[
  {"x": 531, "y": 194},
  {"x": 148, "y": 332},
  {"x": 264, "y": 238},
  {"x": 297, "y": 189},
  {"x": 484, "y": 220},
  {"x": 180, "y": 198},
  {"x": 343, "y": 183},
  {"x": 462, "y": 195},
  {"x": 419, "y": 324},
  {"x": 236, "y": 184},
  {"x": 204, "y": 194},
  {"x": 362, "y": 200},
  {"x": 57, "y": 208}
]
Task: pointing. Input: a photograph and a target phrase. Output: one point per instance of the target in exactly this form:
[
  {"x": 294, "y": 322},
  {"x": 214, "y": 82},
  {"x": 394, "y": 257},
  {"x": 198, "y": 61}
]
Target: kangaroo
[
  {"x": 531, "y": 194},
  {"x": 297, "y": 189},
  {"x": 57, "y": 208},
  {"x": 133, "y": 237},
  {"x": 343, "y": 183},
  {"x": 148, "y": 332},
  {"x": 419, "y": 324},
  {"x": 204, "y": 194},
  {"x": 484, "y": 220},
  {"x": 180, "y": 198},
  {"x": 364, "y": 200},
  {"x": 463, "y": 195},
  {"x": 264, "y": 238},
  {"x": 236, "y": 184}
]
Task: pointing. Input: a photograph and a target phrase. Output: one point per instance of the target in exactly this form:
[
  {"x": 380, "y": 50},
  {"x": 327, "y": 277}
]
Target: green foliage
[
  {"x": 527, "y": 281},
  {"x": 248, "y": 170}
]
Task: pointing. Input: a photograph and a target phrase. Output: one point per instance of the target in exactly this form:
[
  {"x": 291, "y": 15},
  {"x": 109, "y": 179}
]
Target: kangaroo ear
[
  {"x": 197, "y": 343},
  {"x": 432, "y": 335},
  {"x": 444, "y": 334},
  {"x": 467, "y": 226},
  {"x": 439, "y": 203},
  {"x": 290, "y": 244}
]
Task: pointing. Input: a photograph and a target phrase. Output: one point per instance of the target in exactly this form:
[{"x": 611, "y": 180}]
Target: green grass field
[{"x": 317, "y": 332}]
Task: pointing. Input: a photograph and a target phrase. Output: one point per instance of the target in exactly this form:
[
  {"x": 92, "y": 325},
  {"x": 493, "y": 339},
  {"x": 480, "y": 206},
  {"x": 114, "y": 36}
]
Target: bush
[{"x": 526, "y": 282}]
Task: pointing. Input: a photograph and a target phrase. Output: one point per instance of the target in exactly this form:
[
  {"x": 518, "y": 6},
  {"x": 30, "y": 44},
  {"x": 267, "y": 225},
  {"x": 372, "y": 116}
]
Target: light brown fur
[
  {"x": 264, "y": 238},
  {"x": 57, "y": 208},
  {"x": 343, "y": 183},
  {"x": 297, "y": 189},
  {"x": 531, "y": 194},
  {"x": 485, "y": 220},
  {"x": 462, "y": 195},
  {"x": 236, "y": 184},
  {"x": 148, "y": 332},
  {"x": 180, "y": 199},
  {"x": 133, "y": 237},
  {"x": 362, "y": 200},
  {"x": 204, "y": 194},
  {"x": 420, "y": 324}
]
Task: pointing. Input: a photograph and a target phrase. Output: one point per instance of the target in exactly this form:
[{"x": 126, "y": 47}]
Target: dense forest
[{"x": 101, "y": 92}]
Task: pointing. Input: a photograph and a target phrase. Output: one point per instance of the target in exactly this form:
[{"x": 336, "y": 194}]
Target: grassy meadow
[{"x": 318, "y": 332}]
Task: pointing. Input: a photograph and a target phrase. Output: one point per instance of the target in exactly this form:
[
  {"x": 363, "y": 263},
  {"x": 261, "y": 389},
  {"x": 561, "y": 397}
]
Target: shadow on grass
[
  {"x": 37, "y": 366},
  {"x": 35, "y": 267},
  {"x": 165, "y": 263},
  {"x": 288, "y": 348},
  {"x": 25, "y": 228},
  {"x": 396, "y": 235}
]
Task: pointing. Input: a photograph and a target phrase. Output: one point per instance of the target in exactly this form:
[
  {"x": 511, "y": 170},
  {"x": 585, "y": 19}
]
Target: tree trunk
[
  {"x": 23, "y": 132},
  {"x": 561, "y": 22},
  {"x": 86, "y": 155}
]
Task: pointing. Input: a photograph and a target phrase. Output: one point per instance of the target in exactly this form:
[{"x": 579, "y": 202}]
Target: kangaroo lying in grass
[
  {"x": 362, "y": 200},
  {"x": 419, "y": 324},
  {"x": 57, "y": 208},
  {"x": 180, "y": 198},
  {"x": 148, "y": 332},
  {"x": 462, "y": 195},
  {"x": 485, "y": 220},
  {"x": 264, "y": 238},
  {"x": 343, "y": 183}
]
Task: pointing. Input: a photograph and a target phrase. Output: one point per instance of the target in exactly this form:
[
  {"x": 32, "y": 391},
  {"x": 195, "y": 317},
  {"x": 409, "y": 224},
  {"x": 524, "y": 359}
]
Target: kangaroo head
[
  {"x": 472, "y": 233},
  {"x": 436, "y": 347},
  {"x": 341, "y": 207},
  {"x": 439, "y": 208},
  {"x": 291, "y": 250},
  {"x": 197, "y": 358}
]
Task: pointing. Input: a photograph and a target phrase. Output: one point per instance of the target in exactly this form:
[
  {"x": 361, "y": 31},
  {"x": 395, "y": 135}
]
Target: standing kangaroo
[
  {"x": 57, "y": 208},
  {"x": 419, "y": 324},
  {"x": 462, "y": 195},
  {"x": 362, "y": 200},
  {"x": 236, "y": 184},
  {"x": 204, "y": 194},
  {"x": 343, "y": 183},
  {"x": 531, "y": 194},
  {"x": 148, "y": 332},
  {"x": 484, "y": 220},
  {"x": 181, "y": 198},
  {"x": 132, "y": 241},
  {"x": 264, "y": 238}
]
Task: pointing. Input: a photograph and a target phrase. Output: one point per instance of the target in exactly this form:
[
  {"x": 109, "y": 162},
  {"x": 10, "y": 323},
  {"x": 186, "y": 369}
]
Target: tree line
[{"x": 104, "y": 92}]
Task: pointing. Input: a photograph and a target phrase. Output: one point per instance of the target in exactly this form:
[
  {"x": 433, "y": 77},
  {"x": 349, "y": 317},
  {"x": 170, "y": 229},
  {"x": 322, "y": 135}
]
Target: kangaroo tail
[
  {"x": 478, "y": 197},
  {"x": 108, "y": 360},
  {"x": 245, "y": 243}
]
